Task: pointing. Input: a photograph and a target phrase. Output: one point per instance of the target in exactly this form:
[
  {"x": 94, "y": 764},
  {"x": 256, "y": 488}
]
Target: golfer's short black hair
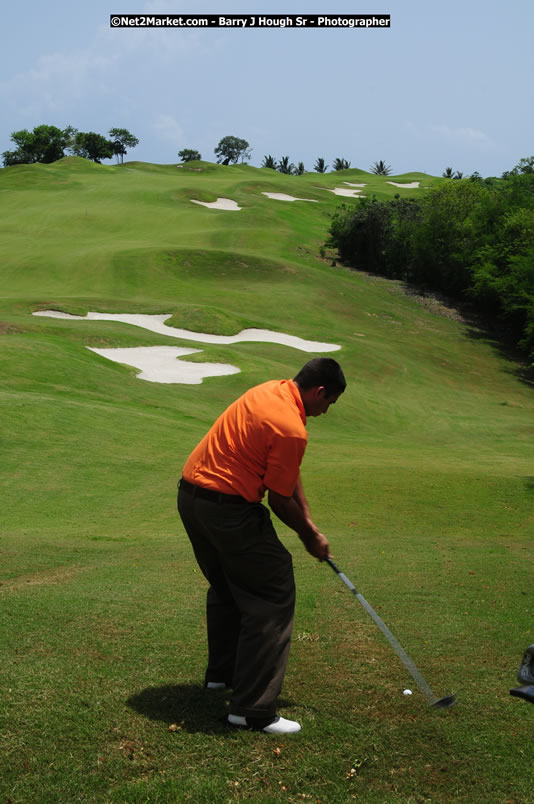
[{"x": 322, "y": 371}]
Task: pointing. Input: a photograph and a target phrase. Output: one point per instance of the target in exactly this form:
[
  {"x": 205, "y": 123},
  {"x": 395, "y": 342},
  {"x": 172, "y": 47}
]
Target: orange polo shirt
[{"x": 257, "y": 443}]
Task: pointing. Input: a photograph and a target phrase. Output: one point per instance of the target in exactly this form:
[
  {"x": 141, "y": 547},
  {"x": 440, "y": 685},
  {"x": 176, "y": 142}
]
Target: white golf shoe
[{"x": 276, "y": 725}]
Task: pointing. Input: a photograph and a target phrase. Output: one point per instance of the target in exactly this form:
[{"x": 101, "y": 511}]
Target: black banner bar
[{"x": 329, "y": 21}]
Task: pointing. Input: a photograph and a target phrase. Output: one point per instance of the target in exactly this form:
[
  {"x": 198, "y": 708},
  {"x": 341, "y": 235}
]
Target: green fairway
[{"x": 421, "y": 477}]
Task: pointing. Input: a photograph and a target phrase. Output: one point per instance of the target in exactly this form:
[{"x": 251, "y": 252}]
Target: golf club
[{"x": 437, "y": 703}]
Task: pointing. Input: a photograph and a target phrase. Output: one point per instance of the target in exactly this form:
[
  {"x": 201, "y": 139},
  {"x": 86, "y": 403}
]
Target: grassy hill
[{"x": 421, "y": 477}]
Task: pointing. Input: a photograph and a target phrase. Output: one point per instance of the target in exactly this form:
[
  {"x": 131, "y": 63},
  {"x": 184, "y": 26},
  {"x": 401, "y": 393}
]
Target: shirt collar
[{"x": 295, "y": 393}]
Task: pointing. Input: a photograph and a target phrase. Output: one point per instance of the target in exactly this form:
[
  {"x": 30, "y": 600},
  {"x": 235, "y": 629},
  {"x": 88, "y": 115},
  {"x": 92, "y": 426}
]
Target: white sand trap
[
  {"x": 156, "y": 323},
  {"x": 159, "y": 364},
  {"x": 354, "y": 193},
  {"x": 285, "y": 197},
  {"x": 351, "y": 184},
  {"x": 411, "y": 186},
  {"x": 220, "y": 203}
]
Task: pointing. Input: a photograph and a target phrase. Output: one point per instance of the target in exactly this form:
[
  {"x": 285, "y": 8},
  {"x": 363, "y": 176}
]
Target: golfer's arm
[
  {"x": 292, "y": 514},
  {"x": 300, "y": 499}
]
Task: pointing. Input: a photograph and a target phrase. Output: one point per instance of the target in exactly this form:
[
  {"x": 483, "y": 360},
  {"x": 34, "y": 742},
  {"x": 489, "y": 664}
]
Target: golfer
[{"x": 255, "y": 446}]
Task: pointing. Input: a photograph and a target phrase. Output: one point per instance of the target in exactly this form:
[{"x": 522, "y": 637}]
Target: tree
[
  {"x": 44, "y": 144},
  {"x": 376, "y": 235},
  {"x": 448, "y": 173},
  {"x": 11, "y": 158},
  {"x": 48, "y": 144},
  {"x": 300, "y": 169},
  {"x": 122, "y": 139},
  {"x": 70, "y": 135},
  {"x": 381, "y": 169},
  {"x": 269, "y": 162},
  {"x": 320, "y": 165},
  {"x": 285, "y": 166},
  {"x": 341, "y": 164},
  {"x": 472, "y": 239},
  {"x": 456, "y": 221},
  {"x": 525, "y": 165},
  {"x": 458, "y": 175},
  {"x": 231, "y": 149},
  {"x": 23, "y": 155},
  {"x": 93, "y": 146},
  {"x": 189, "y": 155},
  {"x": 360, "y": 233}
]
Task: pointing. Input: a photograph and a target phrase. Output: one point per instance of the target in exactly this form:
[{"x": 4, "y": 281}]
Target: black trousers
[{"x": 251, "y": 598}]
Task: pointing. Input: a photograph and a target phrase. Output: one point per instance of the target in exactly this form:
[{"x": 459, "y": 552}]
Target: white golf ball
[{"x": 406, "y": 692}]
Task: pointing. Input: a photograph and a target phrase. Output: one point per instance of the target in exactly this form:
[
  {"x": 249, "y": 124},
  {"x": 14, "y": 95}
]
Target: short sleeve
[{"x": 283, "y": 464}]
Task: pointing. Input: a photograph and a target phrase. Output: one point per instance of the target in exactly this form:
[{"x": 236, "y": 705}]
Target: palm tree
[
  {"x": 269, "y": 162},
  {"x": 285, "y": 166},
  {"x": 381, "y": 169},
  {"x": 448, "y": 173},
  {"x": 320, "y": 166},
  {"x": 341, "y": 164},
  {"x": 458, "y": 175},
  {"x": 300, "y": 169}
]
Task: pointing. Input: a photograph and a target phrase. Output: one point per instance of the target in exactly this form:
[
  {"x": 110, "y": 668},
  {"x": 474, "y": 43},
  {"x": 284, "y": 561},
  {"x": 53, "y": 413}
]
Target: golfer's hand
[
  {"x": 295, "y": 514},
  {"x": 317, "y": 546}
]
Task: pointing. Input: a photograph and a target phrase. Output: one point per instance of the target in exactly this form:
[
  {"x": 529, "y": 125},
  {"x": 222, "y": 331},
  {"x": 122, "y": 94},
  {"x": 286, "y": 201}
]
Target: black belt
[{"x": 208, "y": 494}]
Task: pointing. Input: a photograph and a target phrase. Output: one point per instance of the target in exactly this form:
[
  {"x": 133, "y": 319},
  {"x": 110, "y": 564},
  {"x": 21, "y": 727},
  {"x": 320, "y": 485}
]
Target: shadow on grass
[
  {"x": 190, "y": 706},
  {"x": 478, "y": 326},
  {"x": 501, "y": 342}
]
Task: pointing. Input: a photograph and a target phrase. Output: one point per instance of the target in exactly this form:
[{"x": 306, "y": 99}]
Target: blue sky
[{"x": 449, "y": 84}]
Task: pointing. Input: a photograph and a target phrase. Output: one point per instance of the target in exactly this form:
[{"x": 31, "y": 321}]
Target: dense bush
[{"x": 471, "y": 239}]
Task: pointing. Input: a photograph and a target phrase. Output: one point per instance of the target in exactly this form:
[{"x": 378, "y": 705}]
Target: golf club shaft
[{"x": 393, "y": 641}]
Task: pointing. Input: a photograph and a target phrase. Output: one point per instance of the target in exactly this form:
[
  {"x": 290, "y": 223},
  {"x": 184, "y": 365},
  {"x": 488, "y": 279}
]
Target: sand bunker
[
  {"x": 220, "y": 203},
  {"x": 159, "y": 364},
  {"x": 411, "y": 186},
  {"x": 345, "y": 191},
  {"x": 285, "y": 197},
  {"x": 156, "y": 323},
  {"x": 351, "y": 184}
]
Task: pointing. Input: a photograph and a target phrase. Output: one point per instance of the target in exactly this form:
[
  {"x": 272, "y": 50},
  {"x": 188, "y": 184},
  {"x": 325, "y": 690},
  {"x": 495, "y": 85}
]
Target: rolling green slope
[{"x": 421, "y": 477}]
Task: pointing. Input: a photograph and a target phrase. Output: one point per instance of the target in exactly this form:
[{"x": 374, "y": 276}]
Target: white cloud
[
  {"x": 464, "y": 136},
  {"x": 63, "y": 82},
  {"x": 168, "y": 129},
  {"x": 58, "y": 81}
]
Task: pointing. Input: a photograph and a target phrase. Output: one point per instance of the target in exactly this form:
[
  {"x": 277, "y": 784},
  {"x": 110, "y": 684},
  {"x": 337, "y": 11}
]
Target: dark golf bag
[{"x": 525, "y": 677}]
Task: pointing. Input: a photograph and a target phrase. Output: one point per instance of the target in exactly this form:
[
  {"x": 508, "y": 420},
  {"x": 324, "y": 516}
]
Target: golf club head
[{"x": 444, "y": 703}]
